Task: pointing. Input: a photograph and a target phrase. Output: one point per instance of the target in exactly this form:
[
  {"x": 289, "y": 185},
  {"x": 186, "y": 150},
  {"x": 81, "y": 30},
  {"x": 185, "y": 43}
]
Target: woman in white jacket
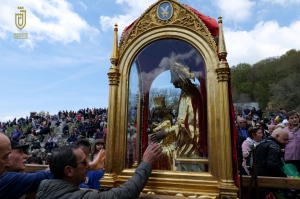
[{"x": 51, "y": 143}]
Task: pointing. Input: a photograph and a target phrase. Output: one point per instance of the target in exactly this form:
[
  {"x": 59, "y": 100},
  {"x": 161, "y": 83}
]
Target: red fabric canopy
[
  {"x": 128, "y": 28},
  {"x": 210, "y": 23}
]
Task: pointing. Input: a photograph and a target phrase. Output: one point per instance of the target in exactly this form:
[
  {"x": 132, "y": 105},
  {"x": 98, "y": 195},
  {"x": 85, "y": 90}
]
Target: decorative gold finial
[
  {"x": 221, "y": 43},
  {"x": 115, "y": 53},
  {"x": 113, "y": 74}
]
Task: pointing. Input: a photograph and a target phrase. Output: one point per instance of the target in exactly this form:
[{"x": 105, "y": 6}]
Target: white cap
[{"x": 285, "y": 121}]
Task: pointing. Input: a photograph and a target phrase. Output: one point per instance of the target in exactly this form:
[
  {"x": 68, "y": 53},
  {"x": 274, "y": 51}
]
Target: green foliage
[
  {"x": 10, "y": 129},
  {"x": 287, "y": 92},
  {"x": 272, "y": 79},
  {"x": 43, "y": 113},
  {"x": 239, "y": 76}
]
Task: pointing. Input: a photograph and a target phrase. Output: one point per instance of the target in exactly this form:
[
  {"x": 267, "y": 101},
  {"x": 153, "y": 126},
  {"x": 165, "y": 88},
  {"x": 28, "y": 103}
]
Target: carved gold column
[
  {"x": 114, "y": 78},
  {"x": 227, "y": 186}
]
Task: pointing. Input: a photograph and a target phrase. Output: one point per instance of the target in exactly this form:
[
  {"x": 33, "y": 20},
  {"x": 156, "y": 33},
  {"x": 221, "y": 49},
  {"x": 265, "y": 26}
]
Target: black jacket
[
  {"x": 61, "y": 189},
  {"x": 66, "y": 130},
  {"x": 45, "y": 130},
  {"x": 268, "y": 158}
]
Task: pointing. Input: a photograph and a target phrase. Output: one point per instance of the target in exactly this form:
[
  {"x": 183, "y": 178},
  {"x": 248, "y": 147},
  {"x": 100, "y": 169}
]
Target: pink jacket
[{"x": 292, "y": 149}]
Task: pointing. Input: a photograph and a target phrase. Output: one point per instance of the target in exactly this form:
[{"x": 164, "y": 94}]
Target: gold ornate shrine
[{"x": 169, "y": 72}]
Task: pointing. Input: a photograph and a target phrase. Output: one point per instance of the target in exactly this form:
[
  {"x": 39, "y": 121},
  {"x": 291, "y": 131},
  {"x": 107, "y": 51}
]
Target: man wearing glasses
[
  {"x": 69, "y": 167},
  {"x": 95, "y": 173},
  {"x": 242, "y": 131},
  {"x": 242, "y": 127}
]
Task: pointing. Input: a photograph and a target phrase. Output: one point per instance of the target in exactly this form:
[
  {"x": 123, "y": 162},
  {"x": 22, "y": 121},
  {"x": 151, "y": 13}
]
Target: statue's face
[
  {"x": 180, "y": 75},
  {"x": 175, "y": 80}
]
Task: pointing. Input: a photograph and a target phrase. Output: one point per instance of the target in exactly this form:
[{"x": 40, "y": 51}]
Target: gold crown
[
  {"x": 20, "y": 7},
  {"x": 165, "y": 13},
  {"x": 181, "y": 70},
  {"x": 159, "y": 101}
]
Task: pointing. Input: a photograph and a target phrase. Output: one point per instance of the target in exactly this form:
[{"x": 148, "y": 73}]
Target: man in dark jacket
[
  {"x": 69, "y": 167},
  {"x": 268, "y": 158},
  {"x": 36, "y": 144},
  {"x": 66, "y": 130},
  {"x": 45, "y": 130},
  {"x": 269, "y": 154}
]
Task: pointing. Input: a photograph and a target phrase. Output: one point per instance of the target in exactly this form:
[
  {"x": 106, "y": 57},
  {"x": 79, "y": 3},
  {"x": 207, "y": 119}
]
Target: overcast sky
[{"x": 63, "y": 64}]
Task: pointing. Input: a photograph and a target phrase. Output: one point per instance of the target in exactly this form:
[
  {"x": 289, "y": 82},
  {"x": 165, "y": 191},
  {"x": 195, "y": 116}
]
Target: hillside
[{"x": 273, "y": 79}]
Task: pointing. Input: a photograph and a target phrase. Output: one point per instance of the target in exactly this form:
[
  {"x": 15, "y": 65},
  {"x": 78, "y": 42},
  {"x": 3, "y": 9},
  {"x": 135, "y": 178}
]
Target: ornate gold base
[
  {"x": 135, "y": 165},
  {"x": 176, "y": 194},
  {"x": 108, "y": 181},
  {"x": 228, "y": 190}
]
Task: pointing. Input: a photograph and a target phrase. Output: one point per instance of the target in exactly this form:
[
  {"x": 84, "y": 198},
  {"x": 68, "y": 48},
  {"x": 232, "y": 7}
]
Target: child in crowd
[
  {"x": 98, "y": 155},
  {"x": 97, "y": 147}
]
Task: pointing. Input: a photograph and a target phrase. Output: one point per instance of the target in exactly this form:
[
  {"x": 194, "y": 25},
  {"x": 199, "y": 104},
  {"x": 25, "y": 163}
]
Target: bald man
[
  {"x": 5, "y": 150},
  {"x": 269, "y": 154},
  {"x": 271, "y": 128}
]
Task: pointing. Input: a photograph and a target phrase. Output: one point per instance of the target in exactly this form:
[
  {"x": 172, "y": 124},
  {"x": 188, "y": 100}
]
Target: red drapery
[
  {"x": 210, "y": 23},
  {"x": 233, "y": 137}
]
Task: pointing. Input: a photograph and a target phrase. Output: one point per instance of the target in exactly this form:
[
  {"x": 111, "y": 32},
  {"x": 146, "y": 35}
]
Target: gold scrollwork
[
  {"x": 182, "y": 17},
  {"x": 223, "y": 74}
]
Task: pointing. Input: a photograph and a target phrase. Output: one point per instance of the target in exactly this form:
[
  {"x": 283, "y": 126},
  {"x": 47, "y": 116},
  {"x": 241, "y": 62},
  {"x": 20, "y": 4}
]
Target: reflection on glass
[
  {"x": 131, "y": 145},
  {"x": 133, "y": 97},
  {"x": 170, "y": 75}
]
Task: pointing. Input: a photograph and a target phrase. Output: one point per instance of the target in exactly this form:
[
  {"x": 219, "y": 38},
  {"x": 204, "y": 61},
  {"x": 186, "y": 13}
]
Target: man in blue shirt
[
  {"x": 98, "y": 135},
  {"x": 16, "y": 134},
  {"x": 246, "y": 112},
  {"x": 242, "y": 127},
  {"x": 14, "y": 184}
]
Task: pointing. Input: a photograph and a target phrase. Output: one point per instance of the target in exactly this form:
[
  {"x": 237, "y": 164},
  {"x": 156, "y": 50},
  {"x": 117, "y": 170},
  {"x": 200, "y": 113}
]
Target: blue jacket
[
  {"x": 72, "y": 139},
  {"x": 243, "y": 132},
  {"x": 14, "y": 185},
  {"x": 15, "y": 135},
  {"x": 92, "y": 180}
]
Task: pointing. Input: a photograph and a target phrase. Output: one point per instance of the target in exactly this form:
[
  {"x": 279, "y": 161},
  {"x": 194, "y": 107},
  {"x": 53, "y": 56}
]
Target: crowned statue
[{"x": 183, "y": 140}]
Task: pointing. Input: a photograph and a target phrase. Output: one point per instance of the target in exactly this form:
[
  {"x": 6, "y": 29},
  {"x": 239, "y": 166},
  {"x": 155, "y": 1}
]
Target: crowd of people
[
  {"x": 78, "y": 162},
  {"x": 49, "y": 132},
  {"x": 79, "y": 141},
  {"x": 275, "y": 139}
]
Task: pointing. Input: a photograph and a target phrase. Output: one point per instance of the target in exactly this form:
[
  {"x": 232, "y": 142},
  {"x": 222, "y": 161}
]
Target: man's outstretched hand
[
  {"x": 152, "y": 153},
  {"x": 157, "y": 137}
]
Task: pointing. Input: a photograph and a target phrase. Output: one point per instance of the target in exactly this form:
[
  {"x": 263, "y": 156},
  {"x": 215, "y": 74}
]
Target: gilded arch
[
  {"x": 182, "y": 18},
  {"x": 184, "y": 25}
]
